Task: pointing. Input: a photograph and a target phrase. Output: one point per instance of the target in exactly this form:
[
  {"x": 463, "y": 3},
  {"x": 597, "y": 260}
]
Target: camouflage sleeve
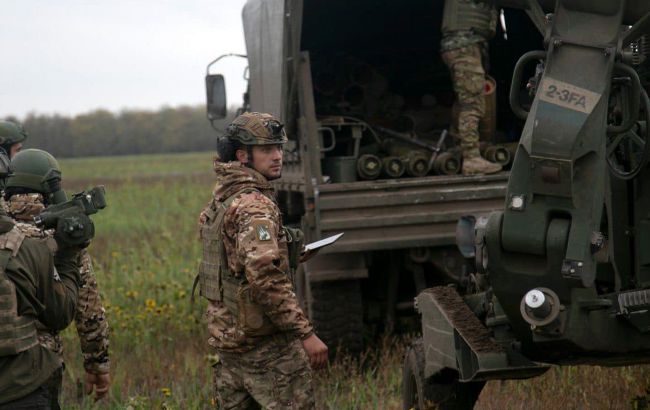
[
  {"x": 257, "y": 221},
  {"x": 90, "y": 319}
]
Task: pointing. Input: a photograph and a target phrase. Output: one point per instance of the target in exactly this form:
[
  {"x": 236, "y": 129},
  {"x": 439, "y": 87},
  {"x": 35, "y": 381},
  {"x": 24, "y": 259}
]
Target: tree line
[{"x": 128, "y": 132}]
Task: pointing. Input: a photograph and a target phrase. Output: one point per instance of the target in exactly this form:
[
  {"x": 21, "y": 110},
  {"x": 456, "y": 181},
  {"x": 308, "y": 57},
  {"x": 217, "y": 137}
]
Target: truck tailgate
[{"x": 404, "y": 213}]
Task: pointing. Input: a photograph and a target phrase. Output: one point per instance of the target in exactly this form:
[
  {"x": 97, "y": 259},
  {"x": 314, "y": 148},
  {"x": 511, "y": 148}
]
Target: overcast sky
[{"x": 74, "y": 56}]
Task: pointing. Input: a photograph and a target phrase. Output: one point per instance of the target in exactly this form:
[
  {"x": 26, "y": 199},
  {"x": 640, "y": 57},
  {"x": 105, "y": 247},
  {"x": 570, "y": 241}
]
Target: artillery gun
[{"x": 562, "y": 274}]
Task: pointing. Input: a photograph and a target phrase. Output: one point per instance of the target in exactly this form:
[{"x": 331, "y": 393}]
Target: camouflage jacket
[
  {"x": 262, "y": 261},
  {"x": 90, "y": 316},
  {"x": 453, "y": 40}
]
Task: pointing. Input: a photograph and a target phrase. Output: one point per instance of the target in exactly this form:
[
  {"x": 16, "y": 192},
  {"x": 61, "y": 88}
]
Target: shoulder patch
[
  {"x": 12, "y": 240},
  {"x": 262, "y": 230}
]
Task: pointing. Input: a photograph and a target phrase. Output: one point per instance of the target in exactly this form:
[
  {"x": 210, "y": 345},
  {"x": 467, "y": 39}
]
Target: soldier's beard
[{"x": 273, "y": 177}]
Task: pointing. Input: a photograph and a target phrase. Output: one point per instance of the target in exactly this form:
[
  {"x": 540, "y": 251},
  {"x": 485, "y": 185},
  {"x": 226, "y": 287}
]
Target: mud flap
[{"x": 455, "y": 338}]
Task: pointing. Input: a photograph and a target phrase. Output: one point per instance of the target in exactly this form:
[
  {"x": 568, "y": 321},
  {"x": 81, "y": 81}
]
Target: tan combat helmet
[{"x": 254, "y": 128}]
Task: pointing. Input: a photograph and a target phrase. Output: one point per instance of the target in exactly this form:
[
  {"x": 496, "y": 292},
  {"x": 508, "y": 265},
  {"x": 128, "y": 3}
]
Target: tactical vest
[
  {"x": 467, "y": 15},
  {"x": 17, "y": 333},
  {"x": 218, "y": 283}
]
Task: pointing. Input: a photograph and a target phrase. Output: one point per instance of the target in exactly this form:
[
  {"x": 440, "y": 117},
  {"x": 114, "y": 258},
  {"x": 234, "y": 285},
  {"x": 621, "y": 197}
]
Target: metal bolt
[
  {"x": 535, "y": 299},
  {"x": 517, "y": 202}
]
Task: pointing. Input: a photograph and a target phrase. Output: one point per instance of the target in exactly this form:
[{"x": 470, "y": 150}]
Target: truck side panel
[{"x": 398, "y": 214}]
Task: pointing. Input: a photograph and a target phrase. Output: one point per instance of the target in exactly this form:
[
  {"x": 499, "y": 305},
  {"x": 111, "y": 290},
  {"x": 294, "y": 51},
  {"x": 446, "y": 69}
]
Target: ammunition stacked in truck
[{"x": 367, "y": 131}]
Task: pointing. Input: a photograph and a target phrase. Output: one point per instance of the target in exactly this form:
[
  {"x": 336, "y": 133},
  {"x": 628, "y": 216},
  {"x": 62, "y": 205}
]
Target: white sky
[{"x": 74, "y": 56}]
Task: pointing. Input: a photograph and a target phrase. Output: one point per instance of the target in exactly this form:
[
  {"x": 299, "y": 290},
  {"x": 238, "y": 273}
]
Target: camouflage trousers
[
  {"x": 274, "y": 375},
  {"x": 468, "y": 77}
]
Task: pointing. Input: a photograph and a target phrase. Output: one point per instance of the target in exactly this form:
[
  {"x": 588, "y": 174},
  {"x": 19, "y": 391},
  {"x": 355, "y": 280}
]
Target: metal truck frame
[
  {"x": 562, "y": 274},
  {"x": 399, "y": 233}
]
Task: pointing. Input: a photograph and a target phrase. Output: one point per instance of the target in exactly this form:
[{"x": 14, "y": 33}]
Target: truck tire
[
  {"x": 442, "y": 391},
  {"x": 337, "y": 314}
]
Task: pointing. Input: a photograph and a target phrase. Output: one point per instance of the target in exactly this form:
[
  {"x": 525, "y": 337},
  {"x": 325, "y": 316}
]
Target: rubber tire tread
[
  {"x": 444, "y": 392},
  {"x": 337, "y": 314}
]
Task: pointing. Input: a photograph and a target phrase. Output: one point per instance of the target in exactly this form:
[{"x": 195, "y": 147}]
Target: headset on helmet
[{"x": 254, "y": 128}]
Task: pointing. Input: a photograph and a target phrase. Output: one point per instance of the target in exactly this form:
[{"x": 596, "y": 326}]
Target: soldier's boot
[{"x": 479, "y": 165}]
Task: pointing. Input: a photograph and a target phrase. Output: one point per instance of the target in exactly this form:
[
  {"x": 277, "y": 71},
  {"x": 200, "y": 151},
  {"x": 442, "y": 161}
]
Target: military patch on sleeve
[{"x": 262, "y": 230}]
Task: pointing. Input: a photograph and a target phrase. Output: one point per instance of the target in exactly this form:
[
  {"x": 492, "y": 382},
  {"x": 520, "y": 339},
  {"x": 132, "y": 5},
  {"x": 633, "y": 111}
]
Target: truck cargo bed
[{"x": 404, "y": 213}]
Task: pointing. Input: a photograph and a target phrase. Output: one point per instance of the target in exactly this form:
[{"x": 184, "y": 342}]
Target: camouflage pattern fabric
[
  {"x": 256, "y": 249},
  {"x": 90, "y": 316},
  {"x": 452, "y": 40},
  {"x": 272, "y": 371},
  {"x": 468, "y": 77},
  {"x": 460, "y": 39},
  {"x": 276, "y": 375}
]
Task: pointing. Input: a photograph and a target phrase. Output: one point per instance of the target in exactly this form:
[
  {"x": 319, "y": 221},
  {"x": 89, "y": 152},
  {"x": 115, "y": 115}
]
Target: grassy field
[{"x": 146, "y": 252}]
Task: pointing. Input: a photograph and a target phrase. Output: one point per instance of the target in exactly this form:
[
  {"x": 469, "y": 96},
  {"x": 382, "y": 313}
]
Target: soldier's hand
[
  {"x": 100, "y": 382},
  {"x": 316, "y": 350}
]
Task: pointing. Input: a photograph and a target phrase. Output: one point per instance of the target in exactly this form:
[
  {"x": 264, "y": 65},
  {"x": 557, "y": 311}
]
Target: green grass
[
  {"x": 136, "y": 166},
  {"x": 146, "y": 253}
]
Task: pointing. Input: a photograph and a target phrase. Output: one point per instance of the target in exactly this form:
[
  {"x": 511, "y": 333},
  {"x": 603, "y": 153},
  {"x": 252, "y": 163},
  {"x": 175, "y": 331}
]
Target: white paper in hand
[{"x": 323, "y": 242}]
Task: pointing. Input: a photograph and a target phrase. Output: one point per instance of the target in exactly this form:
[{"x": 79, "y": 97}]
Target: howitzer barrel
[{"x": 634, "y": 9}]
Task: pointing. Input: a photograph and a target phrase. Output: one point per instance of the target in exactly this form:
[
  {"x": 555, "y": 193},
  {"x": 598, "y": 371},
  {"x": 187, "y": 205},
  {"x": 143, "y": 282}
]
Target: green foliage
[{"x": 181, "y": 129}]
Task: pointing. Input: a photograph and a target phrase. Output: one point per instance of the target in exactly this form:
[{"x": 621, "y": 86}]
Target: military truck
[
  {"x": 561, "y": 275},
  {"x": 367, "y": 103}
]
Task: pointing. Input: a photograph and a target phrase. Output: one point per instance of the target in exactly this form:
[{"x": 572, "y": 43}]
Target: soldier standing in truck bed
[
  {"x": 467, "y": 25},
  {"x": 264, "y": 341}
]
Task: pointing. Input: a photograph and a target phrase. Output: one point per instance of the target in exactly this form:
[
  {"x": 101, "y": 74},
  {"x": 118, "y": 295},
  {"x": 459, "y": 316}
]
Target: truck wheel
[
  {"x": 442, "y": 391},
  {"x": 337, "y": 314}
]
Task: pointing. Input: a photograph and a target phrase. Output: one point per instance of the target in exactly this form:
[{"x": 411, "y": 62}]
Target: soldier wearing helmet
[
  {"x": 34, "y": 184},
  {"x": 12, "y": 136},
  {"x": 39, "y": 281},
  {"x": 264, "y": 341}
]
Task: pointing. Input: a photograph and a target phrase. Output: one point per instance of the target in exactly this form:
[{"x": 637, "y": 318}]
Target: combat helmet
[
  {"x": 35, "y": 170},
  {"x": 10, "y": 134},
  {"x": 254, "y": 128}
]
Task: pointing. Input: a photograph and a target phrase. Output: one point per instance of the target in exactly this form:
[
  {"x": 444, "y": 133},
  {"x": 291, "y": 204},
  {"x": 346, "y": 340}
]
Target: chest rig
[
  {"x": 218, "y": 283},
  {"x": 468, "y": 15},
  {"x": 17, "y": 333}
]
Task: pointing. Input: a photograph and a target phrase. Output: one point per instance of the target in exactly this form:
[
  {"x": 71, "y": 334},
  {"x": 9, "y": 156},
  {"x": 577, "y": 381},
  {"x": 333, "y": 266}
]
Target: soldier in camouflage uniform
[
  {"x": 34, "y": 184},
  {"x": 264, "y": 341},
  {"x": 39, "y": 281},
  {"x": 12, "y": 135},
  {"x": 467, "y": 25}
]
